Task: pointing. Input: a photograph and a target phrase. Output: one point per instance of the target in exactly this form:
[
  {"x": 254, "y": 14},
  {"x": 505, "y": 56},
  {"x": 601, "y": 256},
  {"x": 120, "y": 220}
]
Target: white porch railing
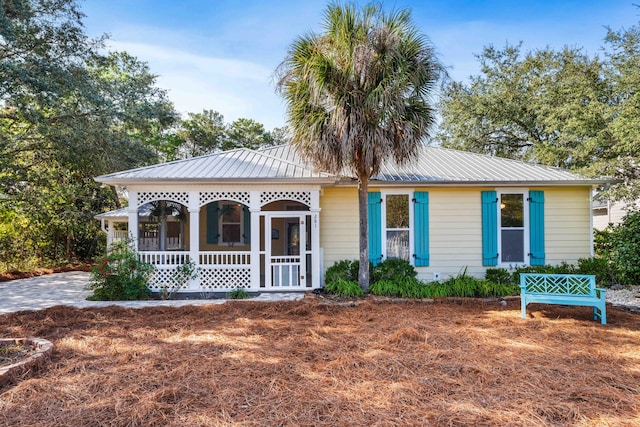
[
  {"x": 217, "y": 271},
  {"x": 153, "y": 243}
]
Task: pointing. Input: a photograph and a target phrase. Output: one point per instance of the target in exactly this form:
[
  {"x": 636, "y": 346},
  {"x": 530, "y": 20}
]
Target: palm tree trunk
[{"x": 363, "y": 272}]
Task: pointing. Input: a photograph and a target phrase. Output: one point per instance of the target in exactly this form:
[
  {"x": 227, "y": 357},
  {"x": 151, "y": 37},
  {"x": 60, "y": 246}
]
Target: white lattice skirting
[{"x": 209, "y": 279}]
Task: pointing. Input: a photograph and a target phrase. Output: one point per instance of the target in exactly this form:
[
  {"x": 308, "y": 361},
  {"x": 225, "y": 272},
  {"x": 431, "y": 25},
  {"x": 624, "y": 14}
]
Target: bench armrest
[{"x": 600, "y": 292}]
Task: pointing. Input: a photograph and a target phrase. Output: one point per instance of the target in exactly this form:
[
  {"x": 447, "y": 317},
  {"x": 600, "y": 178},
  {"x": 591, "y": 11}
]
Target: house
[
  {"x": 264, "y": 220},
  {"x": 606, "y": 212}
]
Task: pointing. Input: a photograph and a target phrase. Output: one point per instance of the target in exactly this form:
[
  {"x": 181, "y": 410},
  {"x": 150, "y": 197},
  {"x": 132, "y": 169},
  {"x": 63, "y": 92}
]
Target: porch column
[
  {"x": 254, "y": 208},
  {"x": 133, "y": 218},
  {"x": 315, "y": 239},
  {"x": 194, "y": 234}
]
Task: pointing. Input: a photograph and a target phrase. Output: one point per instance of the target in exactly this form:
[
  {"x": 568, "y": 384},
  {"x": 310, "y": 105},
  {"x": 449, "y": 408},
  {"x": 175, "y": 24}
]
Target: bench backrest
[{"x": 558, "y": 284}]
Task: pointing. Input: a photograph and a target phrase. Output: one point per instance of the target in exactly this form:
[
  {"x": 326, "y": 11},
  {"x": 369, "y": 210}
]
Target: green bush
[
  {"x": 342, "y": 270},
  {"x": 499, "y": 275},
  {"x": 599, "y": 267},
  {"x": 408, "y": 287},
  {"x": 120, "y": 275},
  {"x": 344, "y": 288},
  {"x": 625, "y": 251},
  {"x": 469, "y": 286},
  {"x": 238, "y": 293},
  {"x": 393, "y": 269},
  {"x": 603, "y": 242}
]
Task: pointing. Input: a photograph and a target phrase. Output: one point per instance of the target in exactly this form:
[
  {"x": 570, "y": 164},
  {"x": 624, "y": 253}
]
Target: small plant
[
  {"x": 342, "y": 270},
  {"x": 238, "y": 293},
  {"x": 120, "y": 275},
  {"x": 499, "y": 275},
  {"x": 181, "y": 275},
  {"x": 344, "y": 288},
  {"x": 403, "y": 288},
  {"x": 393, "y": 269},
  {"x": 468, "y": 286}
]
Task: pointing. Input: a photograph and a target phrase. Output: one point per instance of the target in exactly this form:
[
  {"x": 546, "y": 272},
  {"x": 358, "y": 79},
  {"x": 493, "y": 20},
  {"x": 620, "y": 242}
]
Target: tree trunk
[{"x": 363, "y": 272}]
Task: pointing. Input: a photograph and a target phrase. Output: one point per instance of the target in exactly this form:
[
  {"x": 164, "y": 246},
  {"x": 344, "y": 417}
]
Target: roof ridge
[{"x": 304, "y": 166}]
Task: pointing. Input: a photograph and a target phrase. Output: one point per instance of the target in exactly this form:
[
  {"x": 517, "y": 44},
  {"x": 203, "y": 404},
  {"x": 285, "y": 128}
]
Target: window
[
  {"x": 397, "y": 226},
  {"x": 230, "y": 223},
  {"x": 512, "y": 228}
]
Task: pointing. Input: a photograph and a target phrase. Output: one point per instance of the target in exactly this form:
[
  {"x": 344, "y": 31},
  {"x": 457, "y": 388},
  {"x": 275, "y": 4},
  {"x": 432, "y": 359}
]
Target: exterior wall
[
  {"x": 338, "y": 225},
  {"x": 455, "y": 227},
  {"x": 612, "y": 213},
  {"x": 567, "y": 226}
]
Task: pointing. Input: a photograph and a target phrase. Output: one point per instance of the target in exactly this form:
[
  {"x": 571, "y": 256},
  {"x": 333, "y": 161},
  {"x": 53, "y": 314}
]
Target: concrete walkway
[{"x": 68, "y": 289}]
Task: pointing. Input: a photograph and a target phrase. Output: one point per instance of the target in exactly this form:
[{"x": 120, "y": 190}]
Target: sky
[{"x": 221, "y": 54}]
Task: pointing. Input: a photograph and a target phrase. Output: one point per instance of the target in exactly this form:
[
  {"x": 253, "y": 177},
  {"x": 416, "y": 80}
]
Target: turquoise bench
[{"x": 564, "y": 289}]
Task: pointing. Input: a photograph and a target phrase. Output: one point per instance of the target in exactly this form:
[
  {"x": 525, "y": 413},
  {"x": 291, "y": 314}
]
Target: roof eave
[
  {"x": 493, "y": 183},
  {"x": 251, "y": 181}
]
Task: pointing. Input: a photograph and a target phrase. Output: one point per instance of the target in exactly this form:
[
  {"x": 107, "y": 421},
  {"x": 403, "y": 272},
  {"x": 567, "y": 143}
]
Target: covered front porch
[{"x": 257, "y": 240}]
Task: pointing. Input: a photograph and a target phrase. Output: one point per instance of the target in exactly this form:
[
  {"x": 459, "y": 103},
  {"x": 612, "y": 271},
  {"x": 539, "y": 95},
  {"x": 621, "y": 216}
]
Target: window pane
[
  {"x": 512, "y": 245},
  {"x": 231, "y": 213},
  {"x": 231, "y": 233},
  {"x": 512, "y": 210},
  {"x": 398, "y": 244},
  {"x": 398, "y": 211}
]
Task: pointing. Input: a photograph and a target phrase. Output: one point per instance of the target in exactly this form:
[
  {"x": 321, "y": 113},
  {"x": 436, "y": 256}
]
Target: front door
[{"x": 287, "y": 251}]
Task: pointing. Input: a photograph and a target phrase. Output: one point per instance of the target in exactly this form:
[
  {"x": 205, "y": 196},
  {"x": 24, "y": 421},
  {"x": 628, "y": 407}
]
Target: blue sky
[{"x": 221, "y": 54}]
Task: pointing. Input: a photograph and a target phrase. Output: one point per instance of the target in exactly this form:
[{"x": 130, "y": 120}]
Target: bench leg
[
  {"x": 523, "y": 305},
  {"x": 600, "y": 313}
]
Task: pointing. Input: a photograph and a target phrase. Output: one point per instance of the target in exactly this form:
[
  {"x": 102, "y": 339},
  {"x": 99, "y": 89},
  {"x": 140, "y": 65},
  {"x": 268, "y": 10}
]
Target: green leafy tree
[
  {"x": 203, "y": 133},
  {"x": 67, "y": 113},
  {"x": 545, "y": 106},
  {"x": 246, "y": 133},
  {"x": 359, "y": 93}
]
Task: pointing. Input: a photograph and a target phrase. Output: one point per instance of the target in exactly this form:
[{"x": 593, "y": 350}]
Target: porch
[{"x": 258, "y": 240}]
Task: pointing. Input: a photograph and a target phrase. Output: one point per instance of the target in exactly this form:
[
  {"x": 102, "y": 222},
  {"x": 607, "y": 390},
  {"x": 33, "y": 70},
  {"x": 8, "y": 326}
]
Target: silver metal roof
[
  {"x": 121, "y": 213},
  {"x": 239, "y": 164},
  {"x": 442, "y": 165},
  {"x": 434, "y": 165}
]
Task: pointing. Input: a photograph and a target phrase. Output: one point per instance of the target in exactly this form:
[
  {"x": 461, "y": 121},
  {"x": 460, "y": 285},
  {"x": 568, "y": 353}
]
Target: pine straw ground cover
[{"x": 310, "y": 364}]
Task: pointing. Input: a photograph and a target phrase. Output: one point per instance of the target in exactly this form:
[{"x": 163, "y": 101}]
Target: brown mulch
[
  {"x": 306, "y": 363},
  {"x": 17, "y": 274}
]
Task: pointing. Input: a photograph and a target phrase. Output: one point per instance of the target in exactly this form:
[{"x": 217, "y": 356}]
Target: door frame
[{"x": 301, "y": 216}]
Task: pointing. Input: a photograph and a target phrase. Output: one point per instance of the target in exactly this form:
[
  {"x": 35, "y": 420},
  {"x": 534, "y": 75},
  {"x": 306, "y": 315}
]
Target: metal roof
[
  {"x": 433, "y": 165},
  {"x": 114, "y": 214},
  {"x": 239, "y": 164},
  {"x": 442, "y": 165}
]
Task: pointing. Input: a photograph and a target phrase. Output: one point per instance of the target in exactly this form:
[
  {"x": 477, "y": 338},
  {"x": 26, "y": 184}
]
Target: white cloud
[{"x": 235, "y": 88}]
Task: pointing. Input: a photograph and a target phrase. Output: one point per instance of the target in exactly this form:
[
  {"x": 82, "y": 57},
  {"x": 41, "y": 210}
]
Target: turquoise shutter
[
  {"x": 246, "y": 218},
  {"x": 489, "y": 228},
  {"x": 421, "y": 225},
  {"x": 375, "y": 228},
  {"x": 212, "y": 222},
  {"x": 536, "y": 227}
]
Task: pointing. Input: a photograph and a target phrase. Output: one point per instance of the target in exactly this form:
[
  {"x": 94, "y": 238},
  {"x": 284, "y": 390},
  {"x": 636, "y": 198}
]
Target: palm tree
[{"x": 359, "y": 93}]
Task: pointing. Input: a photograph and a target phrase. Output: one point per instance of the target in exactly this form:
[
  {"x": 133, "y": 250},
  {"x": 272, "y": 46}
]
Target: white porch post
[
  {"x": 315, "y": 239},
  {"x": 194, "y": 234},
  {"x": 133, "y": 218},
  {"x": 254, "y": 208}
]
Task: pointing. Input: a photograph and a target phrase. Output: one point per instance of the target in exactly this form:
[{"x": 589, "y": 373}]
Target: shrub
[
  {"x": 179, "y": 276},
  {"x": 603, "y": 242},
  {"x": 408, "y": 287},
  {"x": 120, "y": 275},
  {"x": 469, "y": 286},
  {"x": 342, "y": 270},
  {"x": 238, "y": 293},
  {"x": 599, "y": 267},
  {"x": 344, "y": 288},
  {"x": 625, "y": 251},
  {"x": 563, "y": 268},
  {"x": 393, "y": 269},
  {"x": 499, "y": 275}
]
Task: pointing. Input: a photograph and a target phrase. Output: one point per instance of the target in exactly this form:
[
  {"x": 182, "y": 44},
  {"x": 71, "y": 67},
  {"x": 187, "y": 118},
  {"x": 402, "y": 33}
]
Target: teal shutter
[
  {"x": 375, "y": 227},
  {"x": 246, "y": 218},
  {"x": 212, "y": 222},
  {"x": 421, "y": 228},
  {"x": 489, "y": 228},
  {"x": 536, "y": 227}
]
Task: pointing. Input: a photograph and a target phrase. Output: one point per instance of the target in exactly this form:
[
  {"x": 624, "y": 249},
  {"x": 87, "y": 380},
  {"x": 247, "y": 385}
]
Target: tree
[
  {"x": 68, "y": 112},
  {"x": 545, "y": 106},
  {"x": 360, "y": 93},
  {"x": 202, "y": 133},
  {"x": 246, "y": 133}
]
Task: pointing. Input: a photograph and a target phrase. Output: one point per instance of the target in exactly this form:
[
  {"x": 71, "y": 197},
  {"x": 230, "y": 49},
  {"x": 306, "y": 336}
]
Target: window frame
[
  {"x": 526, "y": 228},
  {"x": 221, "y": 223},
  {"x": 383, "y": 221}
]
